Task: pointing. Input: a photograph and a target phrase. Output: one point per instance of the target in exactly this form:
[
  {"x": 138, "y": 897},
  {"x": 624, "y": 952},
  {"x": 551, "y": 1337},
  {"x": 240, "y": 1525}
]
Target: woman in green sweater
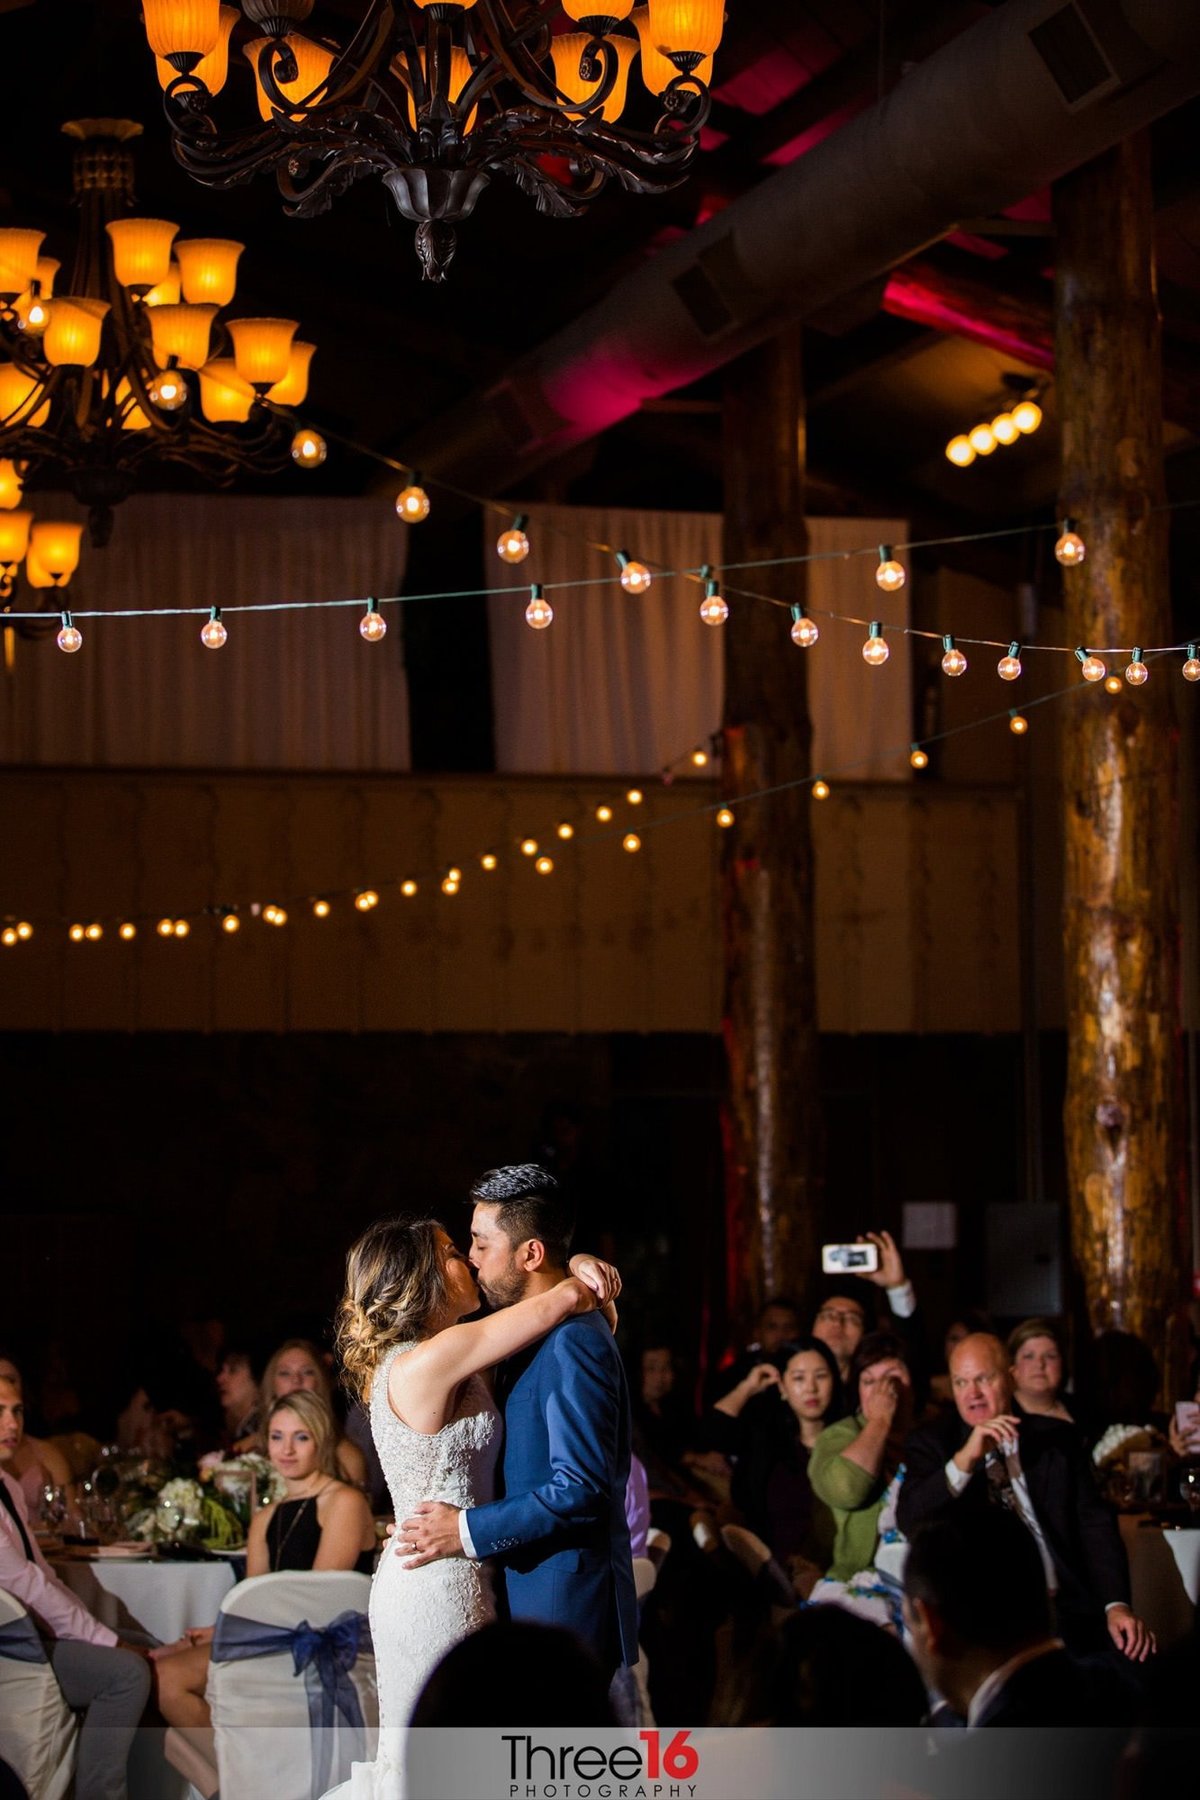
[{"x": 853, "y": 1462}]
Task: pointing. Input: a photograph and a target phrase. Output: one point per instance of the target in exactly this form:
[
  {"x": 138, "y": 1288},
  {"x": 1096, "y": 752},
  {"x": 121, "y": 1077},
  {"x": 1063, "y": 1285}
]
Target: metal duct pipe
[{"x": 1031, "y": 91}]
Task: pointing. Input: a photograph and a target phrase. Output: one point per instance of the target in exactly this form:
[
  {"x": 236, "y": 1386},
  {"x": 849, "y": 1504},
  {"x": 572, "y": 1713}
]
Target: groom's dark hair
[{"x": 531, "y": 1205}]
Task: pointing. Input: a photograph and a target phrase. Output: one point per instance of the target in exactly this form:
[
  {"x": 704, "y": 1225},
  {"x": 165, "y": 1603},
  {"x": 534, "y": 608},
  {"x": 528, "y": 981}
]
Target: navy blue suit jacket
[{"x": 559, "y": 1532}]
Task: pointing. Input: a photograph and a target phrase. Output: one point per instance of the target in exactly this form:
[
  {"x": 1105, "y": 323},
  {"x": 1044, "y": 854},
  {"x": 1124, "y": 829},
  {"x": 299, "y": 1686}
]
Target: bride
[{"x": 438, "y": 1434}]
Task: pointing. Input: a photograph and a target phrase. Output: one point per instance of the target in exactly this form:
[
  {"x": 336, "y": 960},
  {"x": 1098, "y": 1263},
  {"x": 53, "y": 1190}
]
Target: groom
[{"x": 559, "y": 1532}]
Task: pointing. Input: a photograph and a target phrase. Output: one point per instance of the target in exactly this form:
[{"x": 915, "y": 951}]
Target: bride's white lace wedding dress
[{"x": 418, "y": 1614}]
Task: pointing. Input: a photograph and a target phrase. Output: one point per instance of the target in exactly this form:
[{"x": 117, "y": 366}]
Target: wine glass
[
  {"x": 1189, "y": 1487},
  {"x": 54, "y": 1505}
]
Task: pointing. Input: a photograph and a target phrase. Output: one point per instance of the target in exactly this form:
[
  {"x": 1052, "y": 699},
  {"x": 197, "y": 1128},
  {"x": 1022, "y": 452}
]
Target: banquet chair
[
  {"x": 37, "y": 1728},
  {"x": 291, "y": 1686}
]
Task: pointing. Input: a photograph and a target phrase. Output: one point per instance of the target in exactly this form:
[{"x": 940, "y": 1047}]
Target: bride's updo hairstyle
[{"x": 394, "y": 1286}]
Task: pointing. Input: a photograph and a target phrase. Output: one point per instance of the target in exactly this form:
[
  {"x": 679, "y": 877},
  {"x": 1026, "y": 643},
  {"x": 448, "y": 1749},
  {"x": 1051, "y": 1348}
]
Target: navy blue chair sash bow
[{"x": 19, "y": 1641}]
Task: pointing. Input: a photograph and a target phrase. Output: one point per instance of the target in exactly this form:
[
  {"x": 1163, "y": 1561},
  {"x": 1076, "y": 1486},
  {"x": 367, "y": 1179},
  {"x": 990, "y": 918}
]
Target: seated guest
[
  {"x": 238, "y": 1390},
  {"x": 322, "y": 1524},
  {"x": 853, "y": 1463},
  {"x": 665, "y": 1430},
  {"x": 35, "y": 1464},
  {"x": 109, "y": 1683},
  {"x": 1036, "y": 1369},
  {"x": 299, "y": 1364},
  {"x": 777, "y": 1324},
  {"x": 768, "y": 1425},
  {"x": 979, "y": 1621},
  {"x": 850, "y": 1304},
  {"x": 983, "y": 1454},
  {"x": 964, "y": 1324}
]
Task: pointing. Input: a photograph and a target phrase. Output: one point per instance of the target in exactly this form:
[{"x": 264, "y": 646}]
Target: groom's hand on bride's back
[
  {"x": 430, "y": 1535},
  {"x": 601, "y": 1277}
]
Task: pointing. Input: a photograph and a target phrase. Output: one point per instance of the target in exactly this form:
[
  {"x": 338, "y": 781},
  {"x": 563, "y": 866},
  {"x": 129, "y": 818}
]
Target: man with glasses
[{"x": 848, "y": 1308}]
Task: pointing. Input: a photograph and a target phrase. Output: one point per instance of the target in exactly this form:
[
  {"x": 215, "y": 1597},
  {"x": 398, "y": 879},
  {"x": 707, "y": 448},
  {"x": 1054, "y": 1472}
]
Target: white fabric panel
[
  {"x": 37, "y": 1728},
  {"x": 296, "y": 690},
  {"x": 260, "y": 1707},
  {"x": 623, "y": 684}
]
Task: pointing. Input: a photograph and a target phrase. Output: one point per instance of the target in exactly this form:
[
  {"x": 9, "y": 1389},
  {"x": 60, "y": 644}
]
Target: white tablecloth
[
  {"x": 1164, "y": 1569},
  {"x": 162, "y": 1598}
]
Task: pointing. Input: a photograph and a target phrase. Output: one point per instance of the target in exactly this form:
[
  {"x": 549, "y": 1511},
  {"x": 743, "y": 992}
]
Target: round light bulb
[
  {"x": 713, "y": 609},
  {"x": 961, "y": 452},
  {"x": 982, "y": 440},
  {"x": 1093, "y": 669},
  {"x": 412, "y": 504},
  {"x": 181, "y": 928},
  {"x": 636, "y": 578},
  {"x": 366, "y": 900},
  {"x": 1191, "y": 668},
  {"x": 805, "y": 632},
  {"x": 512, "y": 546},
  {"x": 1018, "y": 725},
  {"x": 954, "y": 663},
  {"x": 489, "y": 861},
  {"x": 213, "y": 633},
  {"x": 820, "y": 790},
  {"x": 454, "y": 874},
  {"x": 128, "y": 931},
  {"x": 635, "y": 796},
  {"x": 725, "y": 818},
  {"x": 167, "y": 391},
  {"x": 529, "y": 846},
  {"x": 321, "y": 909},
  {"x": 279, "y": 915},
  {"x": 231, "y": 923},
  {"x": 539, "y": 613},
  {"x": 94, "y": 933},
  {"x": 309, "y": 449},
  {"x": 631, "y": 842},
  {"x": 33, "y": 315},
  {"x": 876, "y": 650},
  {"x": 373, "y": 625},
  {"x": 566, "y": 830},
  {"x": 1136, "y": 672},
  {"x": 408, "y": 888},
  {"x": 8, "y": 937},
  {"x": 24, "y": 930},
  {"x": 165, "y": 928},
  {"x": 890, "y": 575},
  {"x": 918, "y": 757},
  {"x": 76, "y": 934},
  {"x": 1070, "y": 548},
  {"x": 70, "y": 639},
  {"x": 604, "y": 814},
  {"x": 1009, "y": 666},
  {"x": 450, "y": 888},
  {"x": 1113, "y": 684},
  {"x": 1005, "y": 429},
  {"x": 544, "y": 865},
  {"x": 1027, "y": 416},
  {"x": 699, "y": 758}
]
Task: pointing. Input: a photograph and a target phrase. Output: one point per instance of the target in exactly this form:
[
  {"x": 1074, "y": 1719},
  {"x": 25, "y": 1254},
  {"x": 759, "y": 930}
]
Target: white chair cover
[
  {"x": 260, "y": 1710},
  {"x": 37, "y": 1728}
]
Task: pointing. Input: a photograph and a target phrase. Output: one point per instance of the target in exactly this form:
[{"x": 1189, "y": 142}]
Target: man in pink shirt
[{"x": 109, "y": 1683}]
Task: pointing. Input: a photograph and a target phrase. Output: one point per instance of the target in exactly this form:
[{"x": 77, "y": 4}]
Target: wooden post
[
  {"x": 767, "y": 865},
  {"x": 1123, "y": 1110}
]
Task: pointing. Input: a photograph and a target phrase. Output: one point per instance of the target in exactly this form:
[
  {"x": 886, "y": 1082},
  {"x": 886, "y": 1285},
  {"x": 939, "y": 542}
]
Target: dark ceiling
[{"x": 396, "y": 353}]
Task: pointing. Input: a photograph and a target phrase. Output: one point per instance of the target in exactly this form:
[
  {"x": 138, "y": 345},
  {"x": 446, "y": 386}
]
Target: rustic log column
[
  {"x": 1122, "y": 1115},
  {"x": 767, "y": 866}
]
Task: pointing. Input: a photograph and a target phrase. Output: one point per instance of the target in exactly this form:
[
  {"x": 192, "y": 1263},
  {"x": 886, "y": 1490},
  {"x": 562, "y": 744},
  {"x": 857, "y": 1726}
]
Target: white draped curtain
[
  {"x": 289, "y": 690},
  {"x": 624, "y": 684}
]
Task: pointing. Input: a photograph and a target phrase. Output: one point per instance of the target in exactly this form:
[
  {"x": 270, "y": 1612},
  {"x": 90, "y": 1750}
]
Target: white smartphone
[
  {"x": 849, "y": 1259},
  {"x": 1187, "y": 1419}
]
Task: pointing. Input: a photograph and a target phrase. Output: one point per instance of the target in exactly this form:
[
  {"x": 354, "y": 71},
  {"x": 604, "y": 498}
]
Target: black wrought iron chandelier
[
  {"x": 437, "y": 96},
  {"x": 126, "y": 368}
]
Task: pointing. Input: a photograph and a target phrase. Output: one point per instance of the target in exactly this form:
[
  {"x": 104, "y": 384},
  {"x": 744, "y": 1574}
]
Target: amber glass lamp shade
[
  {"x": 208, "y": 269},
  {"x": 213, "y": 69},
  {"x": 132, "y": 417},
  {"x": 181, "y": 332},
  {"x": 182, "y": 27},
  {"x": 593, "y": 9},
  {"x": 313, "y": 64},
  {"x": 687, "y": 27},
  {"x": 168, "y": 292},
  {"x": 461, "y": 71},
  {"x": 54, "y": 546},
  {"x": 225, "y": 399},
  {"x": 18, "y": 260},
  {"x": 72, "y": 337},
  {"x": 10, "y": 485},
  {"x": 567, "y": 51},
  {"x": 18, "y": 392},
  {"x": 47, "y": 268},
  {"x": 658, "y": 72},
  {"x": 464, "y": 4},
  {"x": 14, "y": 536},
  {"x": 293, "y": 389},
  {"x": 36, "y": 575},
  {"x": 141, "y": 251},
  {"x": 262, "y": 349}
]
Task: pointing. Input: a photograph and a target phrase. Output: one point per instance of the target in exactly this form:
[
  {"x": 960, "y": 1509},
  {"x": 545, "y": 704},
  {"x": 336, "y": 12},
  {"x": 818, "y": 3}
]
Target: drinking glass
[
  {"x": 54, "y": 1505},
  {"x": 1189, "y": 1487}
]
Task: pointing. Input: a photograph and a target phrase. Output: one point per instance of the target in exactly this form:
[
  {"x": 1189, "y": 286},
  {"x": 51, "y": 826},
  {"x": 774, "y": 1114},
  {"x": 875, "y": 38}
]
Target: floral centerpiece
[{"x": 213, "y": 1512}]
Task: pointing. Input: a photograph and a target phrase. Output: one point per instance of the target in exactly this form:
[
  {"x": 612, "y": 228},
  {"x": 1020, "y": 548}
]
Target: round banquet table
[
  {"x": 161, "y": 1598},
  {"x": 1164, "y": 1570}
]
